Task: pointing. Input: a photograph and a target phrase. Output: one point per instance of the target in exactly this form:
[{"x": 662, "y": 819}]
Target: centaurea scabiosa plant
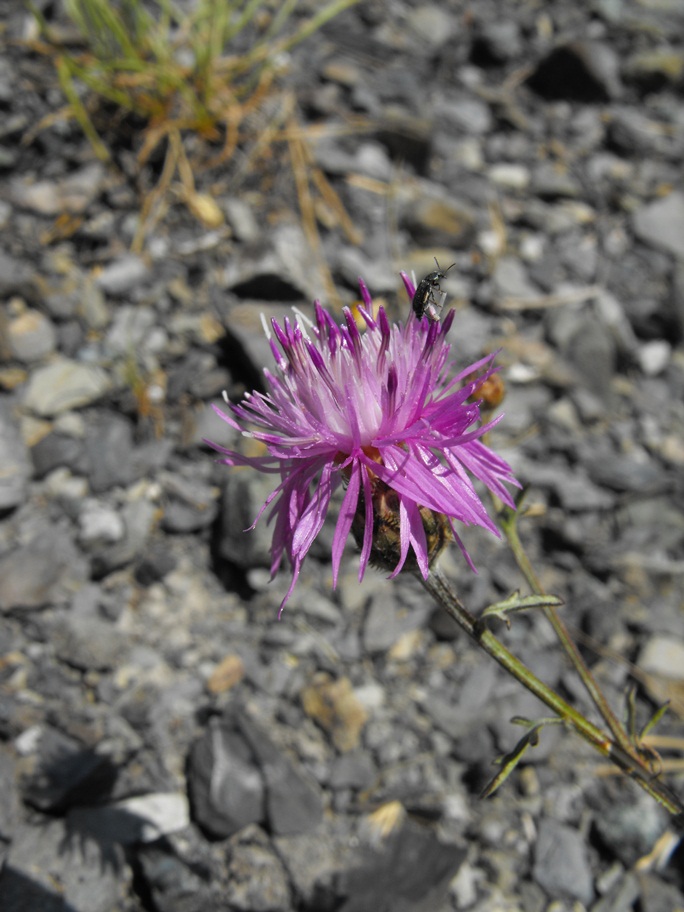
[{"x": 379, "y": 414}]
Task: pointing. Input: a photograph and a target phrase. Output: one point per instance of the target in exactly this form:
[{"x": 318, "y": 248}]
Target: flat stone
[
  {"x": 64, "y": 385},
  {"x": 661, "y": 224}
]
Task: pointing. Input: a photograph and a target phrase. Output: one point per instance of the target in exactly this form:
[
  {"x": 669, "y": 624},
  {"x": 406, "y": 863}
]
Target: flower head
[{"x": 376, "y": 413}]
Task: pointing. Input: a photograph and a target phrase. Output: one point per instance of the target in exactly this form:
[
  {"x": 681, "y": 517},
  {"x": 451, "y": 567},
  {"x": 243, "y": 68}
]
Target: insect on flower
[
  {"x": 424, "y": 301},
  {"x": 379, "y": 416}
]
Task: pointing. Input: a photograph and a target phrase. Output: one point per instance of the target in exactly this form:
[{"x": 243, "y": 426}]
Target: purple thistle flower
[{"x": 361, "y": 410}]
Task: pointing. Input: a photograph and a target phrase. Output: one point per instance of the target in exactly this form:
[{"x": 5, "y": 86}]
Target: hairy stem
[
  {"x": 632, "y": 765},
  {"x": 509, "y": 527}
]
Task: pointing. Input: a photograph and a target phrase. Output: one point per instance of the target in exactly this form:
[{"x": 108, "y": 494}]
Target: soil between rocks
[{"x": 165, "y": 743}]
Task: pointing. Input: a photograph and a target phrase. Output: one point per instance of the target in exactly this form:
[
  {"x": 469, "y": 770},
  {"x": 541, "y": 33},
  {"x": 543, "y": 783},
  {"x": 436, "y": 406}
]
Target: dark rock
[
  {"x": 16, "y": 276},
  {"x": 13, "y": 459},
  {"x": 581, "y": 71},
  {"x": 65, "y": 772},
  {"x": 176, "y": 886},
  {"x": 257, "y": 881},
  {"x": 407, "y": 139},
  {"x": 561, "y": 865},
  {"x": 496, "y": 43},
  {"x": 293, "y": 801},
  {"x": 410, "y": 872},
  {"x": 56, "y": 450},
  {"x": 109, "y": 445},
  {"x": 154, "y": 564},
  {"x": 225, "y": 785}
]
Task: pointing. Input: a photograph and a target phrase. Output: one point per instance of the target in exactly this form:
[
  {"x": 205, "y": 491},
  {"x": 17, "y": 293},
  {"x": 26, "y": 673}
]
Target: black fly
[{"x": 424, "y": 300}]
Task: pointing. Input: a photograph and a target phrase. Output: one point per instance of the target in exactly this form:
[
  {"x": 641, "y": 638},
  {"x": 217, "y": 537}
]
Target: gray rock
[
  {"x": 190, "y": 505},
  {"x": 129, "y": 330},
  {"x": 88, "y": 644},
  {"x": 70, "y": 194},
  {"x": 257, "y": 881},
  {"x": 56, "y": 450},
  {"x": 109, "y": 448},
  {"x": 497, "y": 42},
  {"x": 657, "y": 895},
  {"x": 64, "y": 385},
  {"x": 577, "y": 493},
  {"x": 380, "y": 627},
  {"x": 46, "y": 870},
  {"x": 14, "y": 459},
  {"x": 625, "y": 473},
  {"x": 469, "y": 115},
  {"x": 663, "y": 655},
  {"x": 440, "y": 222},
  {"x": 661, "y": 224},
  {"x": 176, "y": 886},
  {"x": 629, "y": 829},
  {"x": 293, "y": 801},
  {"x": 99, "y": 525},
  {"x": 225, "y": 785},
  {"x": 561, "y": 865},
  {"x": 16, "y": 276},
  {"x": 313, "y": 862},
  {"x": 511, "y": 280},
  {"x": 41, "y": 571},
  {"x": 121, "y": 276},
  {"x": 138, "y": 517},
  {"x": 354, "y": 770},
  {"x": 621, "y": 896},
  {"x": 31, "y": 336},
  {"x": 10, "y": 810}
]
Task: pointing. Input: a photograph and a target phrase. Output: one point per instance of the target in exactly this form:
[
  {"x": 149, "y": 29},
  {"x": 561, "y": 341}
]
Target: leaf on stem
[
  {"x": 509, "y": 761},
  {"x": 518, "y": 602}
]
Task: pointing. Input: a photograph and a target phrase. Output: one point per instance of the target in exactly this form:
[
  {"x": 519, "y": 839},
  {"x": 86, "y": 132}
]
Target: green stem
[
  {"x": 509, "y": 527},
  {"x": 440, "y": 590}
]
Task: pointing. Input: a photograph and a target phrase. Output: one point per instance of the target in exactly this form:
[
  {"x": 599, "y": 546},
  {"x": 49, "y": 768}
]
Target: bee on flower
[{"x": 376, "y": 414}]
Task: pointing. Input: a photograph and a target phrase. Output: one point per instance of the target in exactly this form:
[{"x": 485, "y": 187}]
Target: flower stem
[
  {"x": 509, "y": 526},
  {"x": 632, "y": 765}
]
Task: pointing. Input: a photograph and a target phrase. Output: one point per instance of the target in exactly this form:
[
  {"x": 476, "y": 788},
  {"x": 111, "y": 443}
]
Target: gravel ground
[{"x": 166, "y": 743}]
